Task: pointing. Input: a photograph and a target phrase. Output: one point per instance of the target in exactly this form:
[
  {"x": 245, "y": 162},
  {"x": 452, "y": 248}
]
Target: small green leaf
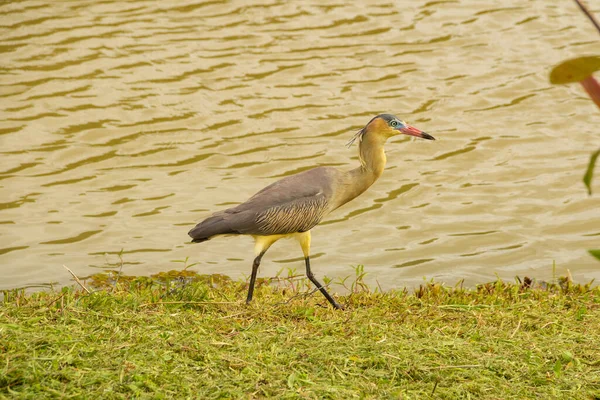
[
  {"x": 595, "y": 253},
  {"x": 580, "y": 313},
  {"x": 558, "y": 368},
  {"x": 574, "y": 70},
  {"x": 589, "y": 173},
  {"x": 291, "y": 380},
  {"x": 566, "y": 357}
]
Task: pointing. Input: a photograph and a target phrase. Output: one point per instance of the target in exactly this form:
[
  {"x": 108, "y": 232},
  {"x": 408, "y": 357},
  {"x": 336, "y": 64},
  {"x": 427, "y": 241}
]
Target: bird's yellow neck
[
  {"x": 372, "y": 155},
  {"x": 372, "y": 162}
]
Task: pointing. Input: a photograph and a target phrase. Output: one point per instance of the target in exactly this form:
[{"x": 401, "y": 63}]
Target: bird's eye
[{"x": 394, "y": 124}]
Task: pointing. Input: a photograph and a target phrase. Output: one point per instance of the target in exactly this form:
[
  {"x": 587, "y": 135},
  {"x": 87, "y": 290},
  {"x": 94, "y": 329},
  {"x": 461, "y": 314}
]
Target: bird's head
[{"x": 385, "y": 126}]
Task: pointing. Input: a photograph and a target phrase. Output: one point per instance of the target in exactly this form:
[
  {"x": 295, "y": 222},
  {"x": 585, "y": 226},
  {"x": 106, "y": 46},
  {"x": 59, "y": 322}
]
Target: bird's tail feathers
[{"x": 208, "y": 228}]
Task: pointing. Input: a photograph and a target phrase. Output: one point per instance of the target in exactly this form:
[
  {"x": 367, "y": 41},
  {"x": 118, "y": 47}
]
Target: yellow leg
[
  {"x": 261, "y": 245},
  {"x": 304, "y": 239}
]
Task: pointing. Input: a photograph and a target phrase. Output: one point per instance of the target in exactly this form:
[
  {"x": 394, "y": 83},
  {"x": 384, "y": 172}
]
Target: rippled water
[{"x": 125, "y": 123}]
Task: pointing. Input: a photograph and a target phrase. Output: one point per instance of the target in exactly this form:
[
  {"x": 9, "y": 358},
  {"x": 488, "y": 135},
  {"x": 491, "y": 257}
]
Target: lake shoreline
[{"x": 173, "y": 336}]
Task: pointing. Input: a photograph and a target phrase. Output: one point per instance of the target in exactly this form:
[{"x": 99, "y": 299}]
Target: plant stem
[{"x": 589, "y": 14}]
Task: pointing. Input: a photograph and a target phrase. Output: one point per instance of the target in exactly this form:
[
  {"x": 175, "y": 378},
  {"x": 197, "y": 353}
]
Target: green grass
[{"x": 192, "y": 336}]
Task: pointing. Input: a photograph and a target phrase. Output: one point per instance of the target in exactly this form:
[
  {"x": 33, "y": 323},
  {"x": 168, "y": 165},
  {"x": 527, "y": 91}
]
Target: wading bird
[{"x": 292, "y": 206}]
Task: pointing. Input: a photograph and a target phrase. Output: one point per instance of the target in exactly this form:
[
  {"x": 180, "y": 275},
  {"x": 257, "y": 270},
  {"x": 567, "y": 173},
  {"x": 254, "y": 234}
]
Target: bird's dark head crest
[
  {"x": 388, "y": 125},
  {"x": 359, "y": 135}
]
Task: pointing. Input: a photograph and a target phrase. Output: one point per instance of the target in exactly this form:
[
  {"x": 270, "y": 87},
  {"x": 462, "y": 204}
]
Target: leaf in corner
[
  {"x": 595, "y": 253},
  {"x": 574, "y": 70},
  {"x": 589, "y": 173}
]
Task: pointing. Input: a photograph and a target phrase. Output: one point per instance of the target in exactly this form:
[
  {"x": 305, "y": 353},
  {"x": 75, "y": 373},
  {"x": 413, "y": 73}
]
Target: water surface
[{"x": 125, "y": 123}]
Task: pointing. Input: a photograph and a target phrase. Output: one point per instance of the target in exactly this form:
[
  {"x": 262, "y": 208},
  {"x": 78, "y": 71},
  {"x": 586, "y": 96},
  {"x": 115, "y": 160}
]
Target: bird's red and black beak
[{"x": 412, "y": 131}]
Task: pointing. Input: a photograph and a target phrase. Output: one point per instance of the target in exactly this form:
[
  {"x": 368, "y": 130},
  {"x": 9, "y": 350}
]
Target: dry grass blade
[{"x": 77, "y": 279}]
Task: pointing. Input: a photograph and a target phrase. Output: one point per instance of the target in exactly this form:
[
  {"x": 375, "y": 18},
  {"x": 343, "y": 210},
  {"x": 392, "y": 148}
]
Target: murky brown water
[{"x": 124, "y": 123}]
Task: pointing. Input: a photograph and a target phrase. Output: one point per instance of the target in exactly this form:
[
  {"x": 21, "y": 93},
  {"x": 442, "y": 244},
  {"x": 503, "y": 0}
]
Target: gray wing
[
  {"x": 299, "y": 215},
  {"x": 293, "y": 204}
]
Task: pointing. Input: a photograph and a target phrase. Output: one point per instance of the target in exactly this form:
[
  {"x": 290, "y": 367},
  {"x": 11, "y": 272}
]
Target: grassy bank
[{"x": 194, "y": 337}]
